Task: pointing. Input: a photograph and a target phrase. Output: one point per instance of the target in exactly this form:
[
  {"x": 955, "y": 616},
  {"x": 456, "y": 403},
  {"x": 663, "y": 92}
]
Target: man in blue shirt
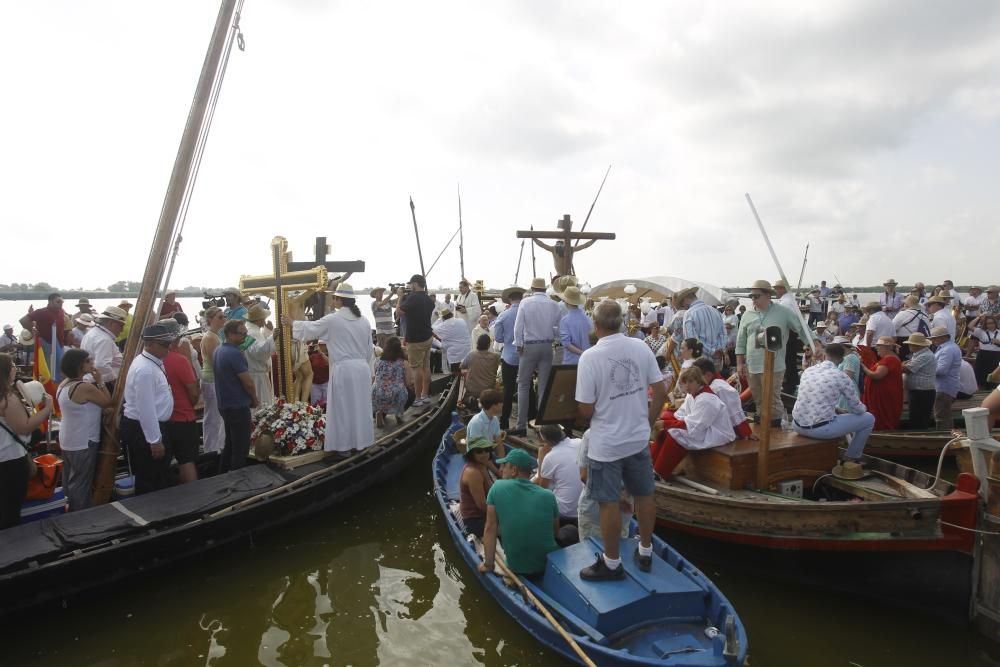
[
  {"x": 236, "y": 395},
  {"x": 703, "y": 323},
  {"x": 948, "y": 358},
  {"x": 234, "y": 309},
  {"x": 575, "y": 326},
  {"x": 503, "y": 332}
]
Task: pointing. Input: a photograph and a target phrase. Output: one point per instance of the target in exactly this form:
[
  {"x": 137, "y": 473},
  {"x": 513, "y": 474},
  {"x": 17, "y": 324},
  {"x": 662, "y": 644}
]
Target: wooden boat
[
  {"x": 898, "y": 535},
  {"x": 58, "y": 557},
  {"x": 905, "y": 444},
  {"x": 658, "y": 618}
]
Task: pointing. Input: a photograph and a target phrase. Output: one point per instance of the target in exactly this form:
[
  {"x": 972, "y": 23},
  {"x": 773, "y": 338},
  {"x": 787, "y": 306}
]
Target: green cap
[
  {"x": 480, "y": 443},
  {"x": 520, "y": 458}
]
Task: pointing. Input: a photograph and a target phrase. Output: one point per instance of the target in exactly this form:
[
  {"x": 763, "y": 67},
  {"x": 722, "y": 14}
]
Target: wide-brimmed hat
[
  {"x": 32, "y": 390},
  {"x": 859, "y": 323},
  {"x": 573, "y": 296},
  {"x": 480, "y": 443},
  {"x": 946, "y": 294},
  {"x": 936, "y": 299},
  {"x": 843, "y": 340},
  {"x": 345, "y": 291},
  {"x": 886, "y": 340},
  {"x": 160, "y": 331},
  {"x": 890, "y": 281},
  {"x": 911, "y": 301},
  {"x": 685, "y": 293},
  {"x": 26, "y": 337},
  {"x": 538, "y": 283},
  {"x": 850, "y": 470},
  {"x": 562, "y": 282},
  {"x": 873, "y": 305},
  {"x": 257, "y": 312},
  {"x": 777, "y": 283},
  {"x": 821, "y": 324},
  {"x": 125, "y": 305},
  {"x": 992, "y": 288},
  {"x": 939, "y": 332},
  {"x": 764, "y": 286},
  {"x": 83, "y": 302},
  {"x": 377, "y": 291},
  {"x": 8, "y": 327},
  {"x": 918, "y": 339},
  {"x": 86, "y": 319},
  {"x": 520, "y": 458},
  {"x": 115, "y": 314},
  {"x": 233, "y": 291},
  {"x": 513, "y": 289}
]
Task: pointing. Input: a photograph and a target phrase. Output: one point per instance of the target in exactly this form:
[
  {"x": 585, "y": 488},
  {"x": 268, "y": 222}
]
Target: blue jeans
[{"x": 860, "y": 425}]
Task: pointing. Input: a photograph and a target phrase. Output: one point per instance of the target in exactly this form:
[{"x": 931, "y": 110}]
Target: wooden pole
[
  {"x": 416, "y": 232},
  {"x": 534, "y": 268},
  {"x": 765, "y": 420},
  {"x": 461, "y": 237},
  {"x": 584, "y": 658},
  {"x": 159, "y": 252}
]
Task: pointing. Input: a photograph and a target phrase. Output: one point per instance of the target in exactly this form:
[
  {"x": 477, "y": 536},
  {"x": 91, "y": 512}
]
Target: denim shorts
[{"x": 605, "y": 478}]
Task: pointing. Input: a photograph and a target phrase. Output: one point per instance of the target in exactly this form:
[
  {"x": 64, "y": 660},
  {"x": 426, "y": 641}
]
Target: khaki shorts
[{"x": 419, "y": 354}]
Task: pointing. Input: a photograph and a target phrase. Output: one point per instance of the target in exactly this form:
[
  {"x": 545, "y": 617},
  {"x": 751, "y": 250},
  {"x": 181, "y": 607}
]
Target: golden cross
[{"x": 278, "y": 285}]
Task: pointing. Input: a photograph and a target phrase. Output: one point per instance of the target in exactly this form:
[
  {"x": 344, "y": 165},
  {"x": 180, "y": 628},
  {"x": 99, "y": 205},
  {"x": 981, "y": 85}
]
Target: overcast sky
[{"x": 868, "y": 129}]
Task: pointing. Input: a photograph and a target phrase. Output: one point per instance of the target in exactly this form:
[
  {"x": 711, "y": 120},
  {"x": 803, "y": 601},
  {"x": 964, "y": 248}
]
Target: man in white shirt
[
  {"x": 879, "y": 324},
  {"x": 99, "y": 341},
  {"x": 259, "y": 353},
  {"x": 611, "y": 384},
  {"x": 972, "y": 302},
  {"x": 535, "y": 327},
  {"x": 939, "y": 312},
  {"x": 467, "y": 306},
  {"x": 455, "y": 339},
  {"x": 558, "y": 472},
  {"x": 785, "y": 298},
  {"x": 148, "y": 405}
]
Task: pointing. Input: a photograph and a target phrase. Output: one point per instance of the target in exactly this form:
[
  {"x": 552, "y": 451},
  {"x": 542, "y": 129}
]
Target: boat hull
[{"x": 139, "y": 552}]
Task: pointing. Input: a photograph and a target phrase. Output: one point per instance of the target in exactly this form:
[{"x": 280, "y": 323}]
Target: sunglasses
[{"x": 757, "y": 295}]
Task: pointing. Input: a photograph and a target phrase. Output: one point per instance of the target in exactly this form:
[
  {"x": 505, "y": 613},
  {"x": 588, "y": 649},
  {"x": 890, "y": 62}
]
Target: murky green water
[{"x": 376, "y": 581}]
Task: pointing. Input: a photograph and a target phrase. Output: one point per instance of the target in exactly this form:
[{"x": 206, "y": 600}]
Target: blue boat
[{"x": 673, "y": 615}]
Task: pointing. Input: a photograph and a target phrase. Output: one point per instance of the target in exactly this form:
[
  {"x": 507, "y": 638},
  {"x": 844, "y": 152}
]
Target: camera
[
  {"x": 213, "y": 300},
  {"x": 394, "y": 287}
]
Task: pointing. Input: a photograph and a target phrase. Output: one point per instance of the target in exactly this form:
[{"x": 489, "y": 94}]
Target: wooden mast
[{"x": 197, "y": 122}]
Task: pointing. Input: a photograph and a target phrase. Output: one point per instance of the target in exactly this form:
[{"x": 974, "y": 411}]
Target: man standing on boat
[
  {"x": 100, "y": 343},
  {"x": 259, "y": 353},
  {"x": 235, "y": 394},
  {"x": 503, "y": 333},
  {"x": 611, "y": 385},
  {"x": 750, "y": 355},
  {"x": 148, "y": 405},
  {"x": 235, "y": 310},
  {"x": 467, "y": 305},
  {"x": 890, "y": 300},
  {"x": 417, "y": 307},
  {"x": 49, "y": 324},
  {"x": 535, "y": 327},
  {"x": 948, "y": 358},
  {"x": 348, "y": 336},
  {"x": 793, "y": 347},
  {"x": 704, "y": 323},
  {"x": 940, "y": 315}
]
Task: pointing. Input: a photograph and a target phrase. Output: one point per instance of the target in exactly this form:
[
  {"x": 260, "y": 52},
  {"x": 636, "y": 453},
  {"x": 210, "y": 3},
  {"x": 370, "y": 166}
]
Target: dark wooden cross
[
  {"x": 340, "y": 271},
  {"x": 562, "y": 250}
]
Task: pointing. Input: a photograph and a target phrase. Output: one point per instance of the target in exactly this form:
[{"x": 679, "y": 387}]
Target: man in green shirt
[
  {"x": 526, "y": 514},
  {"x": 750, "y": 357}
]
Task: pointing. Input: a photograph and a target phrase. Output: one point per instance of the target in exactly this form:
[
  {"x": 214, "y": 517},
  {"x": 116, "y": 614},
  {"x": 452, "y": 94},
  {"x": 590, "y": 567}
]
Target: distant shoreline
[{"x": 85, "y": 294}]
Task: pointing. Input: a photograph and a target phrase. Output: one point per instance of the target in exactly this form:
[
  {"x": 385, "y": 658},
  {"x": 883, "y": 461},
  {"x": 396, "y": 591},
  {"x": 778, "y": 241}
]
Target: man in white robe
[
  {"x": 348, "y": 336},
  {"x": 259, "y": 353},
  {"x": 467, "y": 305}
]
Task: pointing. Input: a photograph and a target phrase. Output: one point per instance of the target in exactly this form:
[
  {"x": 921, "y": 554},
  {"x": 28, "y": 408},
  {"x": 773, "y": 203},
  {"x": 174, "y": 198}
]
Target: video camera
[
  {"x": 211, "y": 300},
  {"x": 394, "y": 287}
]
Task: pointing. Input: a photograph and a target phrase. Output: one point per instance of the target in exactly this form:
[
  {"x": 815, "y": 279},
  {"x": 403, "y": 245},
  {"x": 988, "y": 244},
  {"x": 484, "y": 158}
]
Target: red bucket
[{"x": 46, "y": 479}]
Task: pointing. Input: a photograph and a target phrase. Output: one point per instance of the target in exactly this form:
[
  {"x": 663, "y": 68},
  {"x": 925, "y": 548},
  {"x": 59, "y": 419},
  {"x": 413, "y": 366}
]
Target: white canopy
[{"x": 658, "y": 288}]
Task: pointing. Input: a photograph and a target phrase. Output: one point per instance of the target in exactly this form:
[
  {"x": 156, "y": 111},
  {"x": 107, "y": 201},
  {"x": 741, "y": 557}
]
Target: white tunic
[
  {"x": 708, "y": 423},
  {"x": 349, "y": 423},
  {"x": 472, "y": 308},
  {"x": 259, "y": 362},
  {"x": 455, "y": 338},
  {"x": 731, "y": 399}
]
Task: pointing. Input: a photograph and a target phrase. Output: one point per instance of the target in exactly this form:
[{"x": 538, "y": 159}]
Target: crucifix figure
[
  {"x": 339, "y": 272},
  {"x": 562, "y": 250},
  {"x": 278, "y": 286}
]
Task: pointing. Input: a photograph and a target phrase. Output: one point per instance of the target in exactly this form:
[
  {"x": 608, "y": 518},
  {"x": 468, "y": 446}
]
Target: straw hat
[
  {"x": 258, "y": 312},
  {"x": 345, "y": 291},
  {"x": 848, "y": 470},
  {"x": 538, "y": 284},
  {"x": 33, "y": 391},
  {"x": 765, "y": 286},
  {"x": 939, "y": 332},
  {"x": 890, "y": 281},
  {"x": 573, "y": 296},
  {"x": 873, "y": 305},
  {"x": 83, "y": 302},
  {"x": 821, "y": 325},
  {"x": 843, "y": 340},
  {"x": 681, "y": 295},
  {"x": 86, "y": 319},
  {"x": 115, "y": 314},
  {"x": 377, "y": 292},
  {"x": 936, "y": 299},
  {"x": 911, "y": 301},
  {"x": 777, "y": 283},
  {"x": 992, "y": 289},
  {"x": 945, "y": 294},
  {"x": 513, "y": 289},
  {"x": 917, "y": 339},
  {"x": 26, "y": 337},
  {"x": 886, "y": 340},
  {"x": 124, "y": 305},
  {"x": 562, "y": 282}
]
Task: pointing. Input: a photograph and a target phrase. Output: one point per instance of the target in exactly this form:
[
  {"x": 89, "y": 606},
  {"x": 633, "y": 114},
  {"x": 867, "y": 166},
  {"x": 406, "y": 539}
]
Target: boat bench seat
[
  {"x": 614, "y": 606},
  {"x": 734, "y": 466}
]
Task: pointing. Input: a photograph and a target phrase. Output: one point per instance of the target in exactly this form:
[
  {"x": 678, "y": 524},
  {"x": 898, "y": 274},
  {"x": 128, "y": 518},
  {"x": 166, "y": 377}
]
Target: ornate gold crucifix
[{"x": 277, "y": 286}]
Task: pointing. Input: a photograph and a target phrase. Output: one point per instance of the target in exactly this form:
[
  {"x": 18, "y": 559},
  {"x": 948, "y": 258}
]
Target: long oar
[{"x": 545, "y": 612}]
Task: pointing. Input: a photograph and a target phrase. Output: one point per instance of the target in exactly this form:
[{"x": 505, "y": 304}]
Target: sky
[{"x": 862, "y": 128}]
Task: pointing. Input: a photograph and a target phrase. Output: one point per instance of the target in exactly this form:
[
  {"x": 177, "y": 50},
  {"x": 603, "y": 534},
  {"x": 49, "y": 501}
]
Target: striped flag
[{"x": 41, "y": 373}]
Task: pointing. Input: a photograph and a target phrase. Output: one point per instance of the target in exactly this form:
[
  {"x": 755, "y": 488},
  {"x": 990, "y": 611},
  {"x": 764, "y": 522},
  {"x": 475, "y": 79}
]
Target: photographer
[
  {"x": 235, "y": 310},
  {"x": 382, "y": 306},
  {"x": 417, "y": 306}
]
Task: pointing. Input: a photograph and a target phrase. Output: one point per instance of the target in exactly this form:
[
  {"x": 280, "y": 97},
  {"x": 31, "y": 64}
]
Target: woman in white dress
[{"x": 348, "y": 336}]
